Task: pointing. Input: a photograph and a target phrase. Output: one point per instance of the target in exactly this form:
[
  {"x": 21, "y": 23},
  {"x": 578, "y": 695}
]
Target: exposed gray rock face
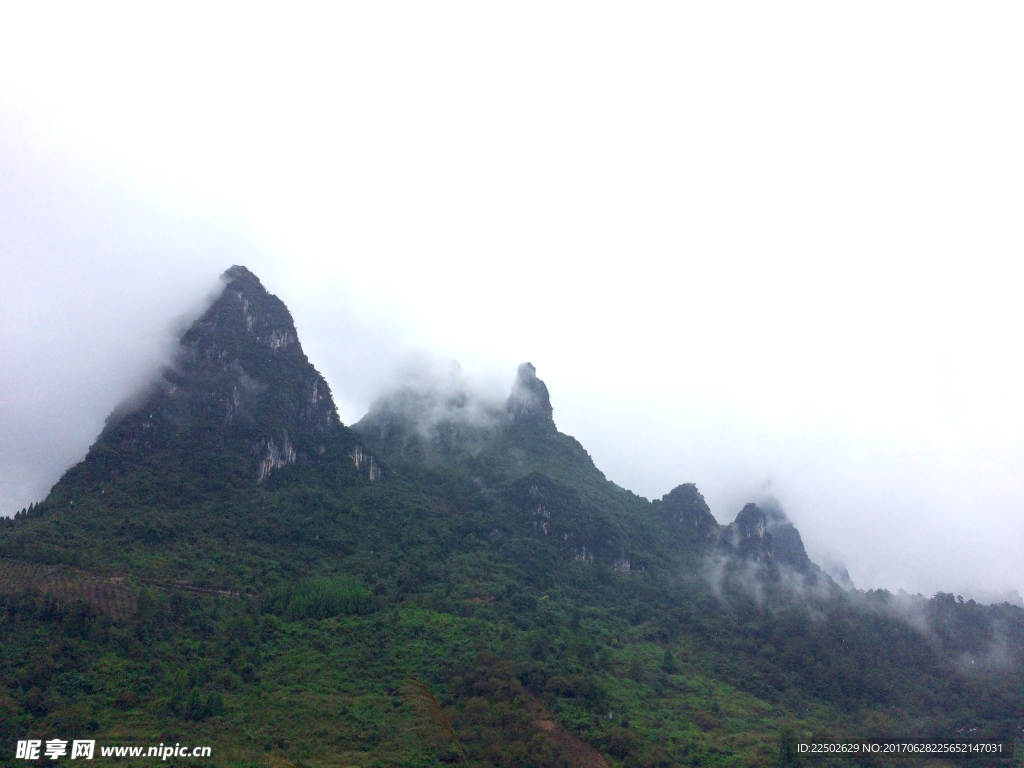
[
  {"x": 766, "y": 536},
  {"x": 529, "y": 401},
  {"x": 247, "y": 340},
  {"x": 239, "y": 390}
]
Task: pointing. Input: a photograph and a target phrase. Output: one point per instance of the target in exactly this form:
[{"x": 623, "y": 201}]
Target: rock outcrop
[
  {"x": 766, "y": 536},
  {"x": 239, "y": 391}
]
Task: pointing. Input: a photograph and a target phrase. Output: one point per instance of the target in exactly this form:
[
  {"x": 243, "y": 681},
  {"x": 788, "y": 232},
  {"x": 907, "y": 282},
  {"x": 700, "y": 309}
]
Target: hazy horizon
[{"x": 773, "y": 253}]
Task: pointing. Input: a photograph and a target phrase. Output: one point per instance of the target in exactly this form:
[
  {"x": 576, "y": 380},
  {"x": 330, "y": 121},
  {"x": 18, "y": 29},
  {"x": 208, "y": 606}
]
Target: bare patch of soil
[{"x": 579, "y": 753}]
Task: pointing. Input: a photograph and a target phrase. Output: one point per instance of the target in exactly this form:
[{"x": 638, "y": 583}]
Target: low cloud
[
  {"x": 974, "y": 638},
  {"x": 432, "y": 394},
  {"x": 97, "y": 287}
]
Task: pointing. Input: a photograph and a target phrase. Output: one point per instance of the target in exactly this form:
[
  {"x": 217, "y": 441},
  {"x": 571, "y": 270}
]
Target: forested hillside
[{"x": 230, "y": 565}]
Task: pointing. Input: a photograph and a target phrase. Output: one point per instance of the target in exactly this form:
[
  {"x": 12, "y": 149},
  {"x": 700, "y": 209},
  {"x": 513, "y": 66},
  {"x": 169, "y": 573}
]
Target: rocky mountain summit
[
  {"x": 239, "y": 390},
  {"x": 529, "y": 401},
  {"x": 684, "y": 509},
  {"x": 766, "y": 536}
]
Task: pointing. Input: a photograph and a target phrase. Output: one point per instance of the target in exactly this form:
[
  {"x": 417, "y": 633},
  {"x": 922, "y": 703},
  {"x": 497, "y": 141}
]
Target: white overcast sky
[{"x": 770, "y": 248}]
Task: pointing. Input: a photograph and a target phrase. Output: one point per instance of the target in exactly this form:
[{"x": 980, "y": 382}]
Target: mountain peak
[
  {"x": 766, "y": 535},
  {"x": 238, "y": 272},
  {"x": 239, "y": 385},
  {"x": 244, "y": 320},
  {"x": 529, "y": 401},
  {"x": 685, "y": 509}
]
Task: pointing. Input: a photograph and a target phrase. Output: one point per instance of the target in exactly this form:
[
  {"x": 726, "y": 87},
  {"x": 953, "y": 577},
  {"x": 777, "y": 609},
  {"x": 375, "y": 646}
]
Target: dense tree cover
[
  {"x": 166, "y": 590},
  {"x": 339, "y": 589}
]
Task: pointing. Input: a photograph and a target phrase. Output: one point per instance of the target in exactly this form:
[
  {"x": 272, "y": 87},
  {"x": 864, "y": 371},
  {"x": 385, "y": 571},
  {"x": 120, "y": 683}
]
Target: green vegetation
[
  {"x": 318, "y": 599},
  {"x": 555, "y": 619}
]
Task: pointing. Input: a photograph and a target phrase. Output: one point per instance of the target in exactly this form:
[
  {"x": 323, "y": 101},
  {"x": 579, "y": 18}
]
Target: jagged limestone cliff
[{"x": 239, "y": 391}]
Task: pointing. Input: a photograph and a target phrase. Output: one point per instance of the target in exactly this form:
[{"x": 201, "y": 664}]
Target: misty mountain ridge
[
  {"x": 240, "y": 392},
  {"x": 226, "y": 522},
  {"x": 440, "y": 417},
  {"x": 440, "y": 421}
]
